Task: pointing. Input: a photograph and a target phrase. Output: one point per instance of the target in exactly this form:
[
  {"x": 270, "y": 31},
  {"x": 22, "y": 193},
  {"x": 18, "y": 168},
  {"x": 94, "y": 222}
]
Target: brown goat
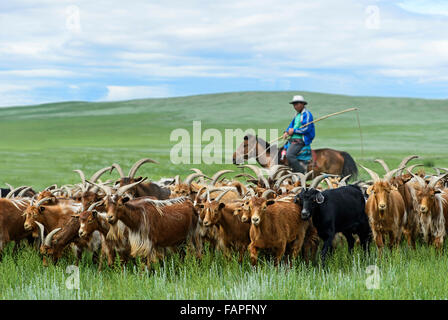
[
  {"x": 233, "y": 233},
  {"x": 385, "y": 209},
  {"x": 12, "y": 220},
  {"x": 430, "y": 202},
  {"x": 91, "y": 221},
  {"x": 153, "y": 224},
  {"x": 57, "y": 240},
  {"x": 276, "y": 225},
  {"x": 411, "y": 225},
  {"x": 51, "y": 216}
]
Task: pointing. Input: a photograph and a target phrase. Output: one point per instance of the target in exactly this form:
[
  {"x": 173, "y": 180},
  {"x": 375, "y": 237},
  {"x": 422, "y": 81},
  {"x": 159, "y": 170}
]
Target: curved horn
[
  {"x": 343, "y": 181},
  {"x": 54, "y": 186},
  {"x": 81, "y": 174},
  {"x": 94, "y": 205},
  {"x": 118, "y": 168},
  {"x": 419, "y": 179},
  {"x": 372, "y": 173},
  {"x": 99, "y": 173},
  {"x": 202, "y": 196},
  {"x": 196, "y": 170},
  {"x": 41, "y": 233},
  {"x": 275, "y": 169},
  {"x": 50, "y": 237},
  {"x": 302, "y": 179},
  {"x": 389, "y": 174},
  {"x": 317, "y": 180},
  {"x": 432, "y": 183},
  {"x": 191, "y": 177},
  {"x": 218, "y": 198},
  {"x": 41, "y": 201},
  {"x": 252, "y": 167},
  {"x": 107, "y": 190},
  {"x": 267, "y": 192},
  {"x": 125, "y": 188},
  {"x": 308, "y": 174},
  {"x": 198, "y": 195},
  {"x": 251, "y": 191},
  {"x": 258, "y": 173},
  {"x": 138, "y": 164},
  {"x": 383, "y": 164},
  {"x": 280, "y": 180},
  {"x": 177, "y": 180},
  {"x": 410, "y": 168},
  {"x": 245, "y": 175},
  {"x": 404, "y": 162},
  {"x": 32, "y": 200},
  {"x": 11, "y": 193},
  {"x": 280, "y": 172},
  {"x": 21, "y": 193},
  {"x": 218, "y": 174}
]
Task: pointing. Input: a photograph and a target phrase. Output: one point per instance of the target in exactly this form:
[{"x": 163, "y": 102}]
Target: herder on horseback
[{"x": 299, "y": 145}]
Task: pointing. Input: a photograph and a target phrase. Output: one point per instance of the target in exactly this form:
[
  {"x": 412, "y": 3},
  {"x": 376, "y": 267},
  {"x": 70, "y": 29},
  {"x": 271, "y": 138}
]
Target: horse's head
[{"x": 246, "y": 150}]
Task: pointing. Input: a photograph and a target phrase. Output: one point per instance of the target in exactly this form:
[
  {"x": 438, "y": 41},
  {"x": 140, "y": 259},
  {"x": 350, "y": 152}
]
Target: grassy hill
[{"x": 42, "y": 144}]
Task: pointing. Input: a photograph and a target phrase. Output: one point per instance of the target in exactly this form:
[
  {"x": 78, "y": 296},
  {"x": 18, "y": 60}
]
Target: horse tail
[{"x": 349, "y": 166}]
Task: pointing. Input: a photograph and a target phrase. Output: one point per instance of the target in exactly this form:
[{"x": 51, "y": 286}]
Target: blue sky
[{"x": 104, "y": 50}]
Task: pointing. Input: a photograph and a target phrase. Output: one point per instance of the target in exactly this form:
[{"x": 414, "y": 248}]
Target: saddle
[{"x": 308, "y": 155}]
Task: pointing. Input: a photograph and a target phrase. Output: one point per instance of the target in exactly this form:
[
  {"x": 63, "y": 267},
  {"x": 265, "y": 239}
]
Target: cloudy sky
[{"x": 103, "y": 50}]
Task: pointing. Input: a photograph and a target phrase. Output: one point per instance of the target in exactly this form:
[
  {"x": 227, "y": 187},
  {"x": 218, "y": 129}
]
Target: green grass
[{"x": 42, "y": 145}]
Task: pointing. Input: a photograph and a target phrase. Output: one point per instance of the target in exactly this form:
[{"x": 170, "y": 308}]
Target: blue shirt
[{"x": 308, "y": 132}]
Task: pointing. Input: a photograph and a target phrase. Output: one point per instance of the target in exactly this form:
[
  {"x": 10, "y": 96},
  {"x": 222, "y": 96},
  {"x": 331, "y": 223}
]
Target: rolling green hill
[{"x": 42, "y": 144}]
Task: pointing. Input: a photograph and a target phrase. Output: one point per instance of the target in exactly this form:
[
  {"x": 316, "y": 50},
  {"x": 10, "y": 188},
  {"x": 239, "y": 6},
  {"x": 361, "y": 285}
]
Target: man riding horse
[{"x": 299, "y": 145}]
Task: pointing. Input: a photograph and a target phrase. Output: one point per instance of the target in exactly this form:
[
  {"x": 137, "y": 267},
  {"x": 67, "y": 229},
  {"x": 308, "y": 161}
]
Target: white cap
[{"x": 298, "y": 99}]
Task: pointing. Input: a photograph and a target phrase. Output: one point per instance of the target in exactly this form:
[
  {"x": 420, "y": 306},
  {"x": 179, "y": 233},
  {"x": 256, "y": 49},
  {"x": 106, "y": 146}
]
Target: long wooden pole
[{"x": 317, "y": 120}]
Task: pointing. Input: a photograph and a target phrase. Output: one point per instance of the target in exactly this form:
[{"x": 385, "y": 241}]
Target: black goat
[{"x": 333, "y": 211}]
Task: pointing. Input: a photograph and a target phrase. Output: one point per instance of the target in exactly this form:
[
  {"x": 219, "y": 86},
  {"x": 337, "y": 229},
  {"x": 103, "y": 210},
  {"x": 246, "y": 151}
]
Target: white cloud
[
  {"x": 433, "y": 7},
  {"x": 39, "y": 73},
  {"x": 136, "y": 92},
  {"x": 257, "y": 39}
]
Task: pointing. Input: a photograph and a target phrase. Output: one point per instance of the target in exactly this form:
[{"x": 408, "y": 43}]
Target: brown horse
[{"x": 324, "y": 160}]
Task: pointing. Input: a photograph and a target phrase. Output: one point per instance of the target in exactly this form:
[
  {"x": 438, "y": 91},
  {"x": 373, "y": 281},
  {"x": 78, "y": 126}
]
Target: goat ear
[
  {"x": 270, "y": 201},
  {"x": 437, "y": 191},
  {"x": 221, "y": 205},
  {"x": 369, "y": 190},
  {"x": 75, "y": 215},
  {"x": 94, "y": 213},
  {"x": 125, "y": 199},
  {"x": 138, "y": 179},
  {"x": 41, "y": 209},
  {"x": 320, "y": 198},
  {"x": 394, "y": 188}
]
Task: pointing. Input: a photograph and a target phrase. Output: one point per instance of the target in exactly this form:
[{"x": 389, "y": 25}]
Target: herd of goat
[{"x": 274, "y": 210}]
